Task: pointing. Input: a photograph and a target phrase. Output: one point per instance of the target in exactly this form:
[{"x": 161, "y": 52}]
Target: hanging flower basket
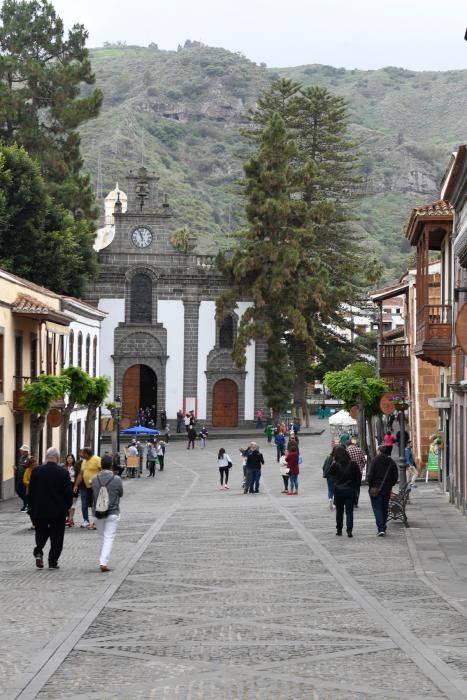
[
  {"x": 400, "y": 405},
  {"x": 437, "y": 439}
]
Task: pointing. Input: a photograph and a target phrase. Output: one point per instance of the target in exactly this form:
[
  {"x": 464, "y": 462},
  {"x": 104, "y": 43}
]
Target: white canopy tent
[{"x": 342, "y": 419}]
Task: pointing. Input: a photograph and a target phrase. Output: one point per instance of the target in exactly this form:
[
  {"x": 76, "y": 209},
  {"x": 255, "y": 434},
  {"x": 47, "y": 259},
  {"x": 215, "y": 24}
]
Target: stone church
[{"x": 160, "y": 341}]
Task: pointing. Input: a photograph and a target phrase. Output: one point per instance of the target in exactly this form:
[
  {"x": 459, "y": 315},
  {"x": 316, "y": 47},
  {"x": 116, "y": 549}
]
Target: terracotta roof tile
[
  {"x": 27, "y": 304},
  {"x": 439, "y": 208}
]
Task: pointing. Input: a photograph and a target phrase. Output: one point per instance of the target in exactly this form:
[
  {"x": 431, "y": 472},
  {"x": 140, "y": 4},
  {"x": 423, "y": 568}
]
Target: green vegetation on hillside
[{"x": 182, "y": 110}]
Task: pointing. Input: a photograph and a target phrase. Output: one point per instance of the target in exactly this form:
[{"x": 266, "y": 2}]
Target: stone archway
[
  {"x": 225, "y": 404},
  {"x": 139, "y": 391}
]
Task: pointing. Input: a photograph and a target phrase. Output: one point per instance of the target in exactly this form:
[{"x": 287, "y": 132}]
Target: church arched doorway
[
  {"x": 225, "y": 404},
  {"x": 139, "y": 391}
]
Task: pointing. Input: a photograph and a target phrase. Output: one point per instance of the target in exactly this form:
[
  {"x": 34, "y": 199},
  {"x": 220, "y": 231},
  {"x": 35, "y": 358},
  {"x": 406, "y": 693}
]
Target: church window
[
  {"x": 88, "y": 352},
  {"x": 226, "y": 333},
  {"x": 141, "y": 299},
  {"x": 71, "y": 347},
  {"x": 94, "y": 356},
  {"x": 80, "y": 350}
]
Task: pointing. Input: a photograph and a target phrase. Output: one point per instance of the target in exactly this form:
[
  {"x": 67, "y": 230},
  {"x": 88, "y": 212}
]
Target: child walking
[
  {"x": 224, "y": 463},
  {"x": 284, "y": 471}
]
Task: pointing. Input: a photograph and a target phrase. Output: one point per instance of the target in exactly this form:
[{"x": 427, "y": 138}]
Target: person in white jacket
[{"x": 224, "y": 463}]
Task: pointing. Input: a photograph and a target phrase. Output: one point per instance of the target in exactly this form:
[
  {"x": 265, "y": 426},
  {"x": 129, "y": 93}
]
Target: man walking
[
  {"x": 382, "y": 475},
  {"x": 254, "y": 460},
  {"x": 50, "y": 498},
  {"x": 107, "y": 526},
  {"x": 280, "y": 444}
]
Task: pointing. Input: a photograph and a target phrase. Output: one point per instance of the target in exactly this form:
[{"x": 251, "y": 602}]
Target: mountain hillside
[{"x": 180, "y": 112}]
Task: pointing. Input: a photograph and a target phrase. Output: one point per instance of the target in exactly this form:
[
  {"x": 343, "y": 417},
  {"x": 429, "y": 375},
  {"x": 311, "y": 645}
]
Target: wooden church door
[{"x": 225, "y": 404}]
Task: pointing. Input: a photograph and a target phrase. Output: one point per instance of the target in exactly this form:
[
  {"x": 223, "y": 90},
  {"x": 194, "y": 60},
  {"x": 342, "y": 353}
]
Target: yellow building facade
[{"x": 33, "y": 337}]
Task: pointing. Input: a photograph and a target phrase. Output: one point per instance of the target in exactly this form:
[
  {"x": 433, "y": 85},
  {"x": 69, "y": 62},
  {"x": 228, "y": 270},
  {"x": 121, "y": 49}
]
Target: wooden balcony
[
  {"x": 434, "y": 334},
  {"x": 394, "y": 360},
  {"x": 18, "y": 391}
]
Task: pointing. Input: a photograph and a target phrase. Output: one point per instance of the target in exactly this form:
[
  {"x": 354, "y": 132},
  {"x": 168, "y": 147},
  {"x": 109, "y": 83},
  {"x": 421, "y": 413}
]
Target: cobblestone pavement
[{"x": 220, "y": 595}]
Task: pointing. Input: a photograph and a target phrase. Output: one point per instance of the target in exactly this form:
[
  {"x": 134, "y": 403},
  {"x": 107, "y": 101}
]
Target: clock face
[{"x": 141, "y": 237}]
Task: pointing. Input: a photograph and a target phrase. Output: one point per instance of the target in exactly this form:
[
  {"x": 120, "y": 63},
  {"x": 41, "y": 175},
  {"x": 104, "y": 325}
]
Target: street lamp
[
  {"x": 118, "y": 418},
  {"x": 401, "y": 406}
]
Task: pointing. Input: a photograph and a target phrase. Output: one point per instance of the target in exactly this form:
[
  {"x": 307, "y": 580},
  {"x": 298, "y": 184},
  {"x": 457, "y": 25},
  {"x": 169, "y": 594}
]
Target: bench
[{"x": 398, "y": 503}]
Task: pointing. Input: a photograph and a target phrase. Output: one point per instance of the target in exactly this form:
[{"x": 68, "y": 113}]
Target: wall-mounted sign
[{"x": 461, "y": 327}]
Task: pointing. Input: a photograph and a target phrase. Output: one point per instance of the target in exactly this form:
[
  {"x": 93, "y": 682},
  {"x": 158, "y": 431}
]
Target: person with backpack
[{"x": 107, "y": 489}]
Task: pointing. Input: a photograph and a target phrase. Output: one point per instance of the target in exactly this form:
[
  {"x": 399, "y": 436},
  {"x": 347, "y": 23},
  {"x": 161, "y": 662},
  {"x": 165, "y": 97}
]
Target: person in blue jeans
[
  {"x": 382, "y": 475},
  {"x": 279, "y": 441},
  {"x": 254, "y": 461},
  {"x": 346, "y": 476}
]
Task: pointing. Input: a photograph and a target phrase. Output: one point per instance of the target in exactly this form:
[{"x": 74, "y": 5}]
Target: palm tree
[
  {"x": 77, "y": 393},
  {"x": 97, "y": 390}
]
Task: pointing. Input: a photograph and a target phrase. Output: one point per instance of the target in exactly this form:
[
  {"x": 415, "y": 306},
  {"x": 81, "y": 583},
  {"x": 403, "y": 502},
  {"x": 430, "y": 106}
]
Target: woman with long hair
[
  {"x": 224, "y": 463},
  {"x": 346, "y": 476},
  {"x": 72, "y": 468}
]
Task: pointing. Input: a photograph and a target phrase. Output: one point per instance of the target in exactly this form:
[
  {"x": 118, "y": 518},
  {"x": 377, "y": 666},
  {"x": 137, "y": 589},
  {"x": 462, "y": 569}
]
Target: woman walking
[
  {"x": 292, "y": 462},
  {"x": 72, "y": 468},
  {"x": 107, "y": 525},
  {"x": 224, "y": 463},
  {"x": 346, "y": 475}
]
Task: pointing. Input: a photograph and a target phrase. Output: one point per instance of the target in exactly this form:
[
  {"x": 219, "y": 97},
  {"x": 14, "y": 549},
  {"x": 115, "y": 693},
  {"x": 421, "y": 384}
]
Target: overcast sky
[{"x": 416, "y": 34}]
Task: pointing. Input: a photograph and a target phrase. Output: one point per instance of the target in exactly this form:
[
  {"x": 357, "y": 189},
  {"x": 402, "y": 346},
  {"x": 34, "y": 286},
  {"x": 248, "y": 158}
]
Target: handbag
[{"x": 229, "y": 465}]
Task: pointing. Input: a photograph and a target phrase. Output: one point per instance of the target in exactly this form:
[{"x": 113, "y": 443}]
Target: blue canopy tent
[{"x": 140, "y": 430}]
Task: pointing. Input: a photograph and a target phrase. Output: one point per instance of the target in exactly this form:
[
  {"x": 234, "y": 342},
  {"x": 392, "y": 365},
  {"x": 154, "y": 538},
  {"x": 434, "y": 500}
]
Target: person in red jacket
[{"x": 294, "y": 469}]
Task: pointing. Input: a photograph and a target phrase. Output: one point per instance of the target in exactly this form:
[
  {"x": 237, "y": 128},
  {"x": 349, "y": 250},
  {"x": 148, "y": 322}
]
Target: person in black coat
[
  {"x": 382, "y": 475},
  {"x": 50, "y": 498},
  {"x": 346, "y": 476}
]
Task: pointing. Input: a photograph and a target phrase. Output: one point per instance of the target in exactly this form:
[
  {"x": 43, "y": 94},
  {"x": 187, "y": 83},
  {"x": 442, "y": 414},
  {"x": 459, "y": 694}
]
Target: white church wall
[
  {"x": 206, "y": 342},
  {"x": 242, "y": 306},
  {"x": 115, "y": 308},
  {"x": 171, "y": 314}
]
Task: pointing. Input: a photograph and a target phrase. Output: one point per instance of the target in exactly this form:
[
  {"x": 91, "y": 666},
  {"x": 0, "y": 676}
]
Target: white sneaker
[
  {"x": 226, "y": 487},
  {"x": 85, "y": 524}
]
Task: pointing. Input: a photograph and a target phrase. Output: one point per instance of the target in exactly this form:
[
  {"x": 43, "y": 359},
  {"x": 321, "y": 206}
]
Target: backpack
[{"x": 102, "y": 500}]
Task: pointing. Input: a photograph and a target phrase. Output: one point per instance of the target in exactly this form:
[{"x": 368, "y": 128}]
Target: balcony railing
[
  {"x": 18, "y": 391},
  {"x": 434, "y": 331},
  {"x": 19, "y": 383},
  {"x": 395, "y": 360}
]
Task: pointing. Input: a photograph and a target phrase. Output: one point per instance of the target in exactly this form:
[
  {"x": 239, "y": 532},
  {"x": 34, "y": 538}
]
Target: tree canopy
[
  {"x": 41, "y": 106},
  {"x": 39, "y": 239},
  {"x": 299, "y": 258}
]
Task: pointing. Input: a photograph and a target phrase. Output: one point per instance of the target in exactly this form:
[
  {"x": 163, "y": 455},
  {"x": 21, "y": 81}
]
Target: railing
[
  {"x": 395, "y": 359},
  {"x": 19, "y": 383},
  {"x": 434, "y": 322},
  {"x": 206, "y": 260}
]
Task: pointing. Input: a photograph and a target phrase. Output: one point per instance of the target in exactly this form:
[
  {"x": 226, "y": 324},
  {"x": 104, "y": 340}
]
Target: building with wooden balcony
[{"x": 429, "y": 229}]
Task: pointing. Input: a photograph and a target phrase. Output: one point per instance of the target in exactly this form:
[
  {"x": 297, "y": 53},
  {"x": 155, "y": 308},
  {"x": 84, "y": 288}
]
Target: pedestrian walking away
[
  {"x": 358, "y": 456},
  {"x": 382, "y": 475},
  {"x": 346, "y": 476},
  {"x": 389, "y": 439},
  {"x": 191, "y": 437},
  {"x": 107, "y": 525},
  {"x": 50, "y": 498},
  {"x": 254, "y": 461},
  {"x": 284, "y": 472},
  {"x": 268, "y": 431},
  {"x": 292, "y": 462},
  {"x": 330, "y": 482},
  {"x": 279, "y": 441},
  {"x": 225, "y": 465},
  {"x": 90, "y": 466}
]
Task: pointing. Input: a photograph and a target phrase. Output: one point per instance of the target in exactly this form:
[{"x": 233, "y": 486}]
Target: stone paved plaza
[{"x": 224, "y": 596}]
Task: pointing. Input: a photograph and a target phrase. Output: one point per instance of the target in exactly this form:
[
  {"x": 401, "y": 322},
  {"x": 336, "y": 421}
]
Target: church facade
[{"x": 160, "y": 341}]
